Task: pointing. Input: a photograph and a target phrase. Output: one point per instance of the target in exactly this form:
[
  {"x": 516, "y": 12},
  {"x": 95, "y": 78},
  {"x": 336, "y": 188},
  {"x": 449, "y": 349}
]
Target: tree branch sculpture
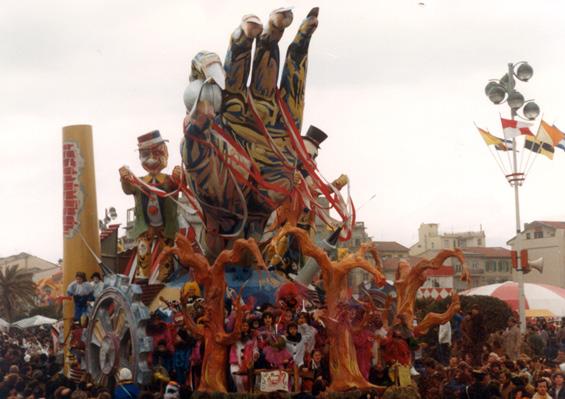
[
  {"x": 216, "y": 339},
  {"x": 410, "y": 279},
  {"x": 343, "y": 361}
]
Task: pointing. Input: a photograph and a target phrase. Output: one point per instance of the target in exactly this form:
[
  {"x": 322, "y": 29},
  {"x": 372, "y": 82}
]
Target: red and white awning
[
  {"x": 538, "y": 296},
  {"x": 434, "y": 293}
]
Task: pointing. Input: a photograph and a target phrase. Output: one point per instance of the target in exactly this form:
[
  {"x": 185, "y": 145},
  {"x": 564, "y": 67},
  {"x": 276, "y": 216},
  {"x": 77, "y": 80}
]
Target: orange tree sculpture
[
  {"x": 409, "y": 279},
  {"x": 211, "y": 277},
  {"x": 343, "y": 361}
]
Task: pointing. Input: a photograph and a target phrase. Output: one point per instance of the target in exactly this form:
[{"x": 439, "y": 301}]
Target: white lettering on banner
[{"x": 73, "y": 197}]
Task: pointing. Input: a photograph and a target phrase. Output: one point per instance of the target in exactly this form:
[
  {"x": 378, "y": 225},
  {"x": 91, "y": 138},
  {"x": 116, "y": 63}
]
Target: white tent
[
  {"x": 33, "y": 322},
  {"x": 4, "y": 325},
  {"x": 541, "y": 299}
]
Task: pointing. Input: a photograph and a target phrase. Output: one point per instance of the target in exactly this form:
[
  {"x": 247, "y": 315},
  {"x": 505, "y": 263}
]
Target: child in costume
[{"x": 82, "y": 293}]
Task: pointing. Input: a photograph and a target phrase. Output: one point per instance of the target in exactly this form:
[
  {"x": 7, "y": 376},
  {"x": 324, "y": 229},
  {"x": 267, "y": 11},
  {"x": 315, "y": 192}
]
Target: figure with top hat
[
  {"x": 312, "y": 140},
  {"x": 288, "y": 258},
  {"x": 155, "y": 205}
]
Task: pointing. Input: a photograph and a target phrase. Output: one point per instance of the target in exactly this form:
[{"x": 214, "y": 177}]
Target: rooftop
[
  {"x": 442, "y": 271},
  {"x": 489, "y": 252},
  {"x": 551, "y": 224},
  {"x": 107, "y": 232},
  {"x": 464, "y": 234},
  {"x": 390, "y": 246},
  {"x": 29, "y": 260},
  {"x": 391, "y": 264},
  {"x": 555, "y": 225},
  {"x": 21, "y": 255}
]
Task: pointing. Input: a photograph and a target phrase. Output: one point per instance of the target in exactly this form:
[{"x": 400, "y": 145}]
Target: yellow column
[{"x": 80, "y": 218}]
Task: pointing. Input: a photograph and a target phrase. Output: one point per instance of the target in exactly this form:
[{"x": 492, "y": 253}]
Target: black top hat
[{"x": 315, "y": 136}]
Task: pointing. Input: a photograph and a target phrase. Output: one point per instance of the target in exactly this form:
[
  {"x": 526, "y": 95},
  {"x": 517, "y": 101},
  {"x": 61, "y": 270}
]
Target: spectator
[
  {"x": 444, "y": 342},
  {"x": 541, "y": 390},
  {"x": 512, "y": 340},
  {"x": 126, "y": 389},
  {"x": 97, "y": 284},
  {"x": 557, "y": 390},
  {"x": 473, "y": 334},
  {"x": 295, "y": 343},
  {"x": 478, "y": 389}
]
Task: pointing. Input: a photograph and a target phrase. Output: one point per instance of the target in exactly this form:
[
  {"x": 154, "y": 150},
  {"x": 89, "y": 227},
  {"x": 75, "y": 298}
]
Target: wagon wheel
[{"x": 116, "y": 335}]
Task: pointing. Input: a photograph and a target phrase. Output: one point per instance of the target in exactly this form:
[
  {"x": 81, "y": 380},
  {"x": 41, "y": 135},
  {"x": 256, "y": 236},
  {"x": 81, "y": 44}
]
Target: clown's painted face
[
  {"x": 311, "y": 149},
  {"x": 172, "y": 391},
  {"x": 154, "y": 159}
]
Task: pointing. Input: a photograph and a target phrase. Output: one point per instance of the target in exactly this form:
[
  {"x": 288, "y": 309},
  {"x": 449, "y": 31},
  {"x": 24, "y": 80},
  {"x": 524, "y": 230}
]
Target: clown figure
[
  {"x": 155, "y": 204},
  {"x": 172, "y": 391}
]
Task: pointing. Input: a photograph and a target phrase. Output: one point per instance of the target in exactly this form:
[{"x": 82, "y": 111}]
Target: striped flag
[
  {"x": 507, "y": 146},
  {"x": 513, "y": 128},
  {"x": 537, "y": 146},
  {"x": 499, "y": 144},
  {"x": 549, "y": 134},
  {"x": 561, "y": 143}
]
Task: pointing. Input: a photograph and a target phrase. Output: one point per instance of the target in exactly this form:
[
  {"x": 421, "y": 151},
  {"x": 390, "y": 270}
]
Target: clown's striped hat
[{"x": 149, "y": 140}]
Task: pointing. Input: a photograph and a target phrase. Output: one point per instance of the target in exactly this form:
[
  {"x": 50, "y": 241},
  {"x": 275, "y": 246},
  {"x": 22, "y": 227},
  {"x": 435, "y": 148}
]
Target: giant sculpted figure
[
  {"x": 241, "y": 148},
  {"x": 155, "y": 205}
]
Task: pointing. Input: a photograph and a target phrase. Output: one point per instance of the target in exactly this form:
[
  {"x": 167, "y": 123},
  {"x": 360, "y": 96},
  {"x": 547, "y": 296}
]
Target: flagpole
[
  {"x": 499, "y": 91},
  {"x": 521, "y": 166},
  {"x": 516, "y": 182},
  {"x": 521, "y": 295}
]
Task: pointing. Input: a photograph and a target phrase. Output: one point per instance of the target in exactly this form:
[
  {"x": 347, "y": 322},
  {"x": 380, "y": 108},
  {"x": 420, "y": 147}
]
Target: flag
[
  {"x": 512, "y": 128},
  {"x": 499, "y": 144},
  {"x": 561, "y": 143},
  {"x": 504, "y": 147},
  {"x": 537, "y": 146},
  {"x": 549, "y": 134}
]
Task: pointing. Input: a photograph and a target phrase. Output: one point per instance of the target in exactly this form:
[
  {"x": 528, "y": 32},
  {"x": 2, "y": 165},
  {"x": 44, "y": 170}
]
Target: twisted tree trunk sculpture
[
  {"x": 211, "y": 277},
  {"x": 410, "y": 279},
  {"x": 343, "y": 360}
]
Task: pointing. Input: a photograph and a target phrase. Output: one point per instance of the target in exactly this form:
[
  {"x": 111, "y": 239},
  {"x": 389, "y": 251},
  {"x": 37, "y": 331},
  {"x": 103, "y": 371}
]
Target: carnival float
[{"x": 250, "y": 180}]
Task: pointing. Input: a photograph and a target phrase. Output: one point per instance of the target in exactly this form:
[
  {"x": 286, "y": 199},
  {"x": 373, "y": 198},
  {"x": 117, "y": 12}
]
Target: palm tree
[{"x": 17, "y": 290}]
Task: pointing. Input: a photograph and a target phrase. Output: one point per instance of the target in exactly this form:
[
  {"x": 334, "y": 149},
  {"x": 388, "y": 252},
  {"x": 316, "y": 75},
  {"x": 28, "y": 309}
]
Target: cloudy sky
[{"x": 396, "y": 85}]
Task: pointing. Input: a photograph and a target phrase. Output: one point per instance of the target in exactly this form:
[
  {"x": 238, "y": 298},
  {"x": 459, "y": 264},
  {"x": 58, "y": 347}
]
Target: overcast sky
[{"x": 395, "y": 84}]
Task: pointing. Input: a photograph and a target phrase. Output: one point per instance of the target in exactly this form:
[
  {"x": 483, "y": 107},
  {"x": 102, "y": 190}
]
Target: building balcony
[{"x": 477, "y": 272}]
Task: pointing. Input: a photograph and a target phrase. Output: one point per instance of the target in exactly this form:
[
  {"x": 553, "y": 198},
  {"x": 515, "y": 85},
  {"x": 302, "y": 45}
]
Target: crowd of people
[
  {"x": 468, "y": 363},
  {"x": 465, "y": 362},
  {"x": 273, "y": 337},
  {"x": 31, "y": 369}
]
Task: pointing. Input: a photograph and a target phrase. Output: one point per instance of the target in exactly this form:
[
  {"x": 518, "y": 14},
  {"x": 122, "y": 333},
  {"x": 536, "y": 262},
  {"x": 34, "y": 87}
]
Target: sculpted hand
[
  {"x": 177, "y": 174},
  {"x": 125, "y": 173}
]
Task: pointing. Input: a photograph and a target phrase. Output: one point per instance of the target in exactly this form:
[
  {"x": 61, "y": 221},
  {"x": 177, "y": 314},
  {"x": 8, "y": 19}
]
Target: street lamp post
[
  {"x": 109, "y": 215},
  {"x": 499, "y": 91}
]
